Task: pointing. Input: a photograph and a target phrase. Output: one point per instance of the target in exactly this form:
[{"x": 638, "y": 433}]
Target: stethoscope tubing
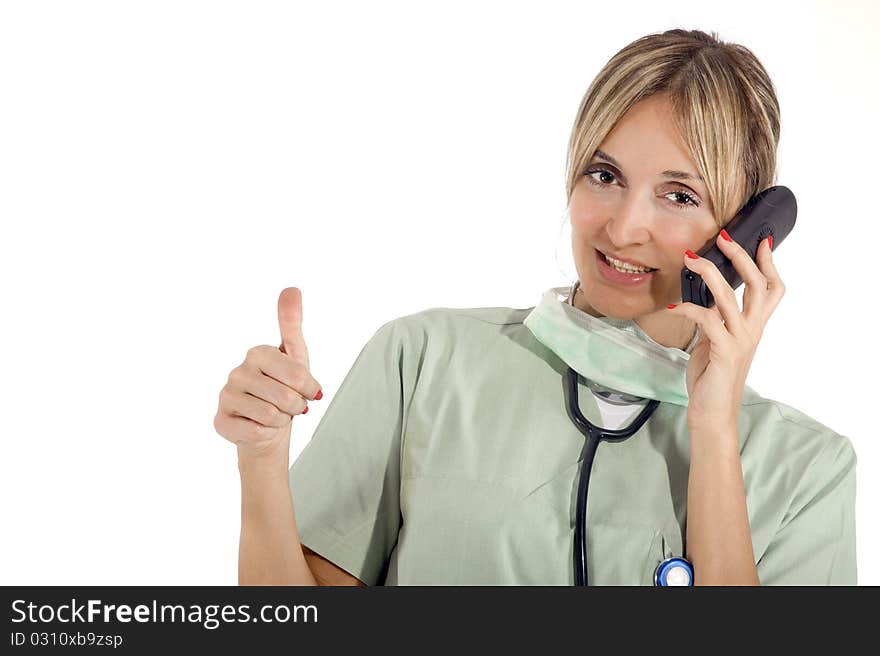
[
  {"x": 591, "y": 443},
  {"x": 593, "y": 436}
]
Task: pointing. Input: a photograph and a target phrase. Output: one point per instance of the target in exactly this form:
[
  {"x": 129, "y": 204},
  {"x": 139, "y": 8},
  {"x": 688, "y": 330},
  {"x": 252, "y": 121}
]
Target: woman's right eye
[{"x": 597, "y": 182}]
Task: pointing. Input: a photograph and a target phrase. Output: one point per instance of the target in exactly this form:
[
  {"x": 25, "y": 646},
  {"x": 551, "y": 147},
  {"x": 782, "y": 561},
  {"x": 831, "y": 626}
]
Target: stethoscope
[{"x": 672, "y": 571}]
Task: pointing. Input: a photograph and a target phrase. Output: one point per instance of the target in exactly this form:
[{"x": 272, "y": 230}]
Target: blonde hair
[{"x": 723, "y": 101}]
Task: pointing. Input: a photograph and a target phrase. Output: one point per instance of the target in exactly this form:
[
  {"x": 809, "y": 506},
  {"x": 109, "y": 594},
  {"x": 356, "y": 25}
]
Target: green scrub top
[{"x": 447, "y": 457}]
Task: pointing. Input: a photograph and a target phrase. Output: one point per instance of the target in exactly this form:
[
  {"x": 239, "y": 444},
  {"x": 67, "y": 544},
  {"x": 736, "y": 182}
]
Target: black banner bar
[{"x": 179, "y": 619}]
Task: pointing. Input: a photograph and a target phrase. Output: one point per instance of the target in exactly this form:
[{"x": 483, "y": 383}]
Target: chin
[{"x": 609, "y": 303}]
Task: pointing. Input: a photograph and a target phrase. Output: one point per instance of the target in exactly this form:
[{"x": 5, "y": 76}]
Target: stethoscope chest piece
[{"x": 674, "y": 571}]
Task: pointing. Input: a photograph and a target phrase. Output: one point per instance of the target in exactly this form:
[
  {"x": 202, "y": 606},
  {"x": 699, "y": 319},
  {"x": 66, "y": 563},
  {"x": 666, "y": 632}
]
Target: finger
[
  {"x": 709, "y": 319},
  {"x": 775, "y": 286},
  {"x": 290, "y": 322},
  {"x": 725, "y": 298},
  {"x": 258, "y": 384},
  {"x": 241, "y": 430},
  {"x": 242, "y": 404},
  {"x": 755, "y": 293},
  {"x": 284, "y": 369}
]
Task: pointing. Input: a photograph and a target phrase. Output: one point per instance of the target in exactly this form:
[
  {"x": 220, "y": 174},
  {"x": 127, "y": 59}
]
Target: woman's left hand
[{"x": 720, "y": 360}]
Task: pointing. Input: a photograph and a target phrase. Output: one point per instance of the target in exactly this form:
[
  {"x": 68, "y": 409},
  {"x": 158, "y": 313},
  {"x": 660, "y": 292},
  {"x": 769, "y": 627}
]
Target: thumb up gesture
[{"x": 263, "y": 393}]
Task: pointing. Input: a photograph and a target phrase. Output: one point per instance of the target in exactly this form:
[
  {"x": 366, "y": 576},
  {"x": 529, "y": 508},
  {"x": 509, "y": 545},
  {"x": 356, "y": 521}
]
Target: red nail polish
[
  {"x": 691, "y": 254},
  {"x": 725, "y": 235},
  {"x": 319, "y": 395},
  {"x": 770, "y": 241},
  {"x": 306, "y": 410},
  {"x": 671, "y": 305}
]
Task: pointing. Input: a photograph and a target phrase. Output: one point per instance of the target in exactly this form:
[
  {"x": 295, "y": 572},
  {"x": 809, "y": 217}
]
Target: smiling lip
[
  {"x": 623, "y": 259},
  {"x": 617, "y": 278}
]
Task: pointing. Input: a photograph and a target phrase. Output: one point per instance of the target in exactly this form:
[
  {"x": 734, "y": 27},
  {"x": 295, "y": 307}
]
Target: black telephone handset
[{"x": 771, "y": 212}]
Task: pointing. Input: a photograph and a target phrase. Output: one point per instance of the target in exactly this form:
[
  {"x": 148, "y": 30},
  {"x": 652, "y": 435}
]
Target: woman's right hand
[{"x": 264, "y": 392}]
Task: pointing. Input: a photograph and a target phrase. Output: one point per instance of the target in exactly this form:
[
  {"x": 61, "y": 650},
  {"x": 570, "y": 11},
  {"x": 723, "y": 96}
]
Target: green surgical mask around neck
[{"x": 613, "y": 353}]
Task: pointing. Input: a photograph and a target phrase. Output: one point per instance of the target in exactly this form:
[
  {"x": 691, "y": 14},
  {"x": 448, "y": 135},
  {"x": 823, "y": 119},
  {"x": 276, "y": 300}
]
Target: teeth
[{"x": 623, "y": 267}]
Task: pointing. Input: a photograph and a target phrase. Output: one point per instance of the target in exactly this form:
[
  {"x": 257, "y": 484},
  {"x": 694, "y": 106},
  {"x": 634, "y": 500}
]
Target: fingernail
[
  {"x": 671, "y": 305},
  {"x": 306, "y": 410},
  {"x": 691, "y": 254},
  {"x": 319, "y": 395},
  {"x": 770, "y": 241},
  {"x": 725, "y": 235}
]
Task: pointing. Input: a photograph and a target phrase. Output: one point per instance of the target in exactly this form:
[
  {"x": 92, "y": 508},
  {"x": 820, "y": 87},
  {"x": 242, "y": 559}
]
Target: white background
[{"x": 166, "y": 168}]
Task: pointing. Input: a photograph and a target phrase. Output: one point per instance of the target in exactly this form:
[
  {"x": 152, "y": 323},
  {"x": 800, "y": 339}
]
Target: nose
[{"x": 630, "y": 221}]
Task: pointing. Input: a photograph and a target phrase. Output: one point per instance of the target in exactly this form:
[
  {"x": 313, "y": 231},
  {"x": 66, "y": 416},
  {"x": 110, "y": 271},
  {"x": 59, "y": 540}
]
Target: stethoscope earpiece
[{"x": 674, "y": 571}]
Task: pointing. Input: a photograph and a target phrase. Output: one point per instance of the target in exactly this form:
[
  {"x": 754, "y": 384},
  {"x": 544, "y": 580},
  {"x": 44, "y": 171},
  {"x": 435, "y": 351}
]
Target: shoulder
[
  {"x": 451, "y": 325},
  {"x": 452, "y": 347},
  {"x": 466, "y": 318}
]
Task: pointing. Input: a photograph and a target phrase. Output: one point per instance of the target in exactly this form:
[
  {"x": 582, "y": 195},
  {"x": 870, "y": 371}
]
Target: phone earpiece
[{"x": 771, "y": 212}]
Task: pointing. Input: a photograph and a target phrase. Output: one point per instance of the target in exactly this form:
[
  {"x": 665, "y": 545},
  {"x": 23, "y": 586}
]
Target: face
[{"x": 631, "y": 202}]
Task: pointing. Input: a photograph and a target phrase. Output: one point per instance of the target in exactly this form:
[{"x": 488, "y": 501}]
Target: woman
[{"x": 448, "y": 456}]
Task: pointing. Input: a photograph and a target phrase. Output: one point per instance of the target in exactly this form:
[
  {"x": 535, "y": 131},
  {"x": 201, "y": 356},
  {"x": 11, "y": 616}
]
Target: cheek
[
  {"x": 673, "y": 242},
  {"x": 585, "y": 225},
  {"x": 673, "y": 246},
  {"x": 588, "y": 214}
]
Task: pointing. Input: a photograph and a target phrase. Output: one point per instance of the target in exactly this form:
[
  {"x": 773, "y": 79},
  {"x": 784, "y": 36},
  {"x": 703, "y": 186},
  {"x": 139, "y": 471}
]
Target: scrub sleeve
[
  {"x": 816, "y": 541},
  {"x": 345, "y": 484}
]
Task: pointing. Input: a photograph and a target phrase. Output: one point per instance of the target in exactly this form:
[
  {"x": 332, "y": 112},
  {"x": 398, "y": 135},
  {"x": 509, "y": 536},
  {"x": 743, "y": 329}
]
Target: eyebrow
[{"x": 676, "y": 175}]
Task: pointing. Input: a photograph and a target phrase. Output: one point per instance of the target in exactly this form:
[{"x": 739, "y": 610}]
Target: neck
[
  {"x": 670, "y": 331},
  {"x": 676, "y": 332}
]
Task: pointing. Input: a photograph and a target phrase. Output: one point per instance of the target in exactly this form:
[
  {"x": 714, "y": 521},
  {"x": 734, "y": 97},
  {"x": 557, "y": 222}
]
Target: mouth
[{"x": 624, "y": 266}]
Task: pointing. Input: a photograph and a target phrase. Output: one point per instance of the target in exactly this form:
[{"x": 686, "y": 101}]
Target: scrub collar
[
  {"x": 629, "y": 325},
  {"x": 615, "y": 356}
]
